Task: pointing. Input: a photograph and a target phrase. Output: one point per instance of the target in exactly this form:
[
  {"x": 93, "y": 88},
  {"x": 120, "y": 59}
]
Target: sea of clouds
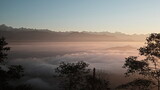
[{"x": 39, "y": 61}]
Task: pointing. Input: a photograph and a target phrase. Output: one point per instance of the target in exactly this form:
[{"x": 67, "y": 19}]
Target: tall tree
[
  {"x": 3, "y": 50},
  {"x": 13, "y": 72},
  {"x": 149, "y": 66}
]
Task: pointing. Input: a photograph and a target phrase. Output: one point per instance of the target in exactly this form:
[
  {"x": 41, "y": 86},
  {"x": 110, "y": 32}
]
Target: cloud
[
  {"x": 39, "y": 71},
  {"x": 38, "y": 84},
  {"x": 45, "y": 66}
]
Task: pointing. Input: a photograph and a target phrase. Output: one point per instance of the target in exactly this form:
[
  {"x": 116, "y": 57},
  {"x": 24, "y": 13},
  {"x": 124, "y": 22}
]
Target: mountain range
[{"x": 45, "y": 35}]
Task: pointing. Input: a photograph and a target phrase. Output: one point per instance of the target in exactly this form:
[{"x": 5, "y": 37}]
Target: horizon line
[{"x": 76, "y": 31}]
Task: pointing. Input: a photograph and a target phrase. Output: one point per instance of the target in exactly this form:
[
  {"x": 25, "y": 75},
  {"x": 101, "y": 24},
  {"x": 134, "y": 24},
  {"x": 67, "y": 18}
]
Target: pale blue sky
[{"x": 128, "y": 16}]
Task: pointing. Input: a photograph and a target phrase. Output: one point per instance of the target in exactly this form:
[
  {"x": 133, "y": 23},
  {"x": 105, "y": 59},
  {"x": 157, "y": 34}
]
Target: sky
[{"x": 127, "y": 16}]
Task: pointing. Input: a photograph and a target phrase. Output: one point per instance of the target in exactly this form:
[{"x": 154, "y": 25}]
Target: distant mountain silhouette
[
  {"x": 45, "y": 35},
  {"x": 122, "y": 48}
]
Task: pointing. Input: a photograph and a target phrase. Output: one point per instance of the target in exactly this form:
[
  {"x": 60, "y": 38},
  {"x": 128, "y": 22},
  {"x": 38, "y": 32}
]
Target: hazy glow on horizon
[{"x": 128, "y": 16}]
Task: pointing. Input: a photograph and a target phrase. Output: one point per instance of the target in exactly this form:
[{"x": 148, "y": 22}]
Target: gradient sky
[{"x": 128, "y": 16}]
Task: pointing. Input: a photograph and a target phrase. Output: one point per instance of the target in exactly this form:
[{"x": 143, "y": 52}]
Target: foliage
[
  {"x": 76, "y": 76},
  {"x": 135, "y": 66},
  {"x": 149, "y": 67},
  {"x": 13, "y": 72},
  {"x": 3, "y": 50},
  {"x": 73, "y": 73}
]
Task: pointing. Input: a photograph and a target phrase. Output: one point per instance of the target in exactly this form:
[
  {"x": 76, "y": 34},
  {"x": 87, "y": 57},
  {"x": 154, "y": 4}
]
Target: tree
[
  {"x": 3, "y": 50},
  {"x": 76, "y": 76},
  {"x": 97, "y": 81},
  {"x": 149, "y": 66},
  {"x": 13, "y": 72},
  {"x": 73, "y": 73}
]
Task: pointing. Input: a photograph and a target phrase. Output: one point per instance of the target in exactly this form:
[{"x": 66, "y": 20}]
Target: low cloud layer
[{"x": 39, "y": 71}]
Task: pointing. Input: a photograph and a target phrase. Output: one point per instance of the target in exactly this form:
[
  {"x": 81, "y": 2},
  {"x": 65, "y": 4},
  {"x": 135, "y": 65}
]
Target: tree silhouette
[
  {"x": 149, "y": 66},
  {"x": 73, "y": 74},
  {"x": 3, "y": 50},
  {"x": 97, "y": 81},
  {"x": 13, "y": 72},
  {"x": 76, "y": 76}
]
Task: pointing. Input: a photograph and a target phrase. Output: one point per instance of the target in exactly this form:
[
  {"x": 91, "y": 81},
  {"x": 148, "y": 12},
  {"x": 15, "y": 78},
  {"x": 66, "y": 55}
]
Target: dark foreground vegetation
[
  {"x": 9, "y": 73},
  {"x": 148, "y": 67},
  {"x": 78, "y": 76}
]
